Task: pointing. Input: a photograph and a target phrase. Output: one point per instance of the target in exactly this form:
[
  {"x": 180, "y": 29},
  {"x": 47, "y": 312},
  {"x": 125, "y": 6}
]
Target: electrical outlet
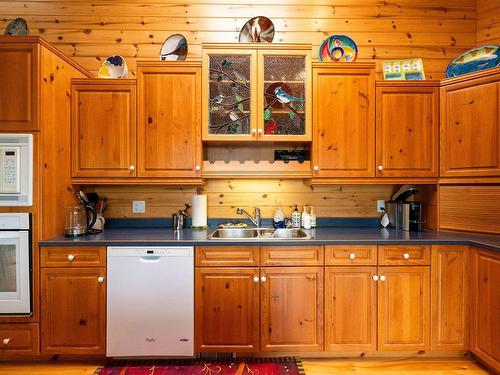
[
  {"x": 138, "y": 207},
  {"x": 380, "y": 206}
]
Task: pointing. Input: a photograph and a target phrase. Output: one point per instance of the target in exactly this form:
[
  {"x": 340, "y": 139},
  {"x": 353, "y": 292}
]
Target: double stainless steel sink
[{"x": 259, "y": 234}]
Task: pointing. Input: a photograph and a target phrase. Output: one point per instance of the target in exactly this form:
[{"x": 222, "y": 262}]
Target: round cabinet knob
[
  {"x": 256, "y": 279},
  {"x": 382, "y": 278},
  {"x": 6, "y": 341},
  {"x": 131, "y": 168},
  {"x": 375, "y": 277},
  {"x": 352, "y": 256},
  {"x": 380, "y": 168},
  {"x": 254, "y": 131},
  {"x": 100, "y": 279},
  {"x": 259, "y": 131},
  {"x": 316, "y": 168},
  {"x": 263, "y": 279},
  {"x": 406, "y": 256},
  {"x": 197, "y": 168},
  {"x": 71, "y": 257}
]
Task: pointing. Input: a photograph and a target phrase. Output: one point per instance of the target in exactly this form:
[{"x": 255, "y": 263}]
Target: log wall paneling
[
  {"x": 435, "y": 30},
  {"x": 488, "y": 22},
  {"x": 224, "y": 196}
]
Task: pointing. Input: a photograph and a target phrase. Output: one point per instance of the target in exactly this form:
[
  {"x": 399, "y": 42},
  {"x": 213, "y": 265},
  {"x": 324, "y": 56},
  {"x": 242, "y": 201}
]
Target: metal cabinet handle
[
  {"x": 406, "y": 256},
  {"x": 382, "y": 278},
  {"x": 197, "y": 168},
  {"x": 263, "y": 279},
  {"x": 316, "y": 168},
  {"x": 100, "y": 279},
  {"x": 352, "y": 256},
  {"x": 71, "y": 257},
  {"x": 131, "y": 168},
  {"x": 6, "y": 341},
  {"x": 375, "y": 277},
  {"x": 380, "y": 167},
  {"x": 256, "y": 279}
]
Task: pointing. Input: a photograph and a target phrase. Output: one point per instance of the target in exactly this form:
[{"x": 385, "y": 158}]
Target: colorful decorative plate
[
  {"x": 174, "y": 48},
  {"x": 19, "y": 26},
  {"x": 475, "y": 59},
  {"x": 113, "y": 67},
  {"x": 257, "y": 30},
  {"x": 338, "y": 48}
]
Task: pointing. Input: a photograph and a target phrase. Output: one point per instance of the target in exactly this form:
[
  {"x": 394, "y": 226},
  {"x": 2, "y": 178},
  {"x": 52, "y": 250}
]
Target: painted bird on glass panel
[{"x": 285, "y": 98}]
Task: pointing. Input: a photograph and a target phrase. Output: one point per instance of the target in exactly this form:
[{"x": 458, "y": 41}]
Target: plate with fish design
[{"x": 473, "y": 60}]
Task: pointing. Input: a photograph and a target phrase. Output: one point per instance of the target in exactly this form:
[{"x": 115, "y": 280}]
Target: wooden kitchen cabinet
[
  {"x": 450, "y": 297},
  {"x": 292, "y": 309},
  {"x": 350, "y": 308},
  {"x": 403, "y": 308},
  {"x": 73, "y": 310},
  {"x": 344, "y": 120},
  {"x": 103, "y": 127},
  {"x": 169, "y": 119},
  {"x": 485, "y": 306},
  {"x": 470, "y": 125},
  {"x": 227, "y": 309},
  {"x": 407, "y": 129}
]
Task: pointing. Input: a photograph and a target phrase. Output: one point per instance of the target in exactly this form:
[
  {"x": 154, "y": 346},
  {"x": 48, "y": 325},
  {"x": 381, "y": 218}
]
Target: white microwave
[{"x": 16, "y": 169}]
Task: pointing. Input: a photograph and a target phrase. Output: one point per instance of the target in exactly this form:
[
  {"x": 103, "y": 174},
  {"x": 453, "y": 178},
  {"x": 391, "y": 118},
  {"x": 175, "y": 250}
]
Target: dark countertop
[{"x": 320, "y": 236}]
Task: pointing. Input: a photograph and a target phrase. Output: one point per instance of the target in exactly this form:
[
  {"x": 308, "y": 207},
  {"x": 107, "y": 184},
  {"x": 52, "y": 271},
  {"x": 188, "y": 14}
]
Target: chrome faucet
[{"x": 255, "y": 220}]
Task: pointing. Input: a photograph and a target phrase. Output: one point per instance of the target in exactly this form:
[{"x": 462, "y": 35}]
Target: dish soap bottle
[
  {"x": 313, "y": 217},
  {"x": 279, "y": 218},
  {"x": 296, "y": 218},
  {"x": 303, "y": 217}
]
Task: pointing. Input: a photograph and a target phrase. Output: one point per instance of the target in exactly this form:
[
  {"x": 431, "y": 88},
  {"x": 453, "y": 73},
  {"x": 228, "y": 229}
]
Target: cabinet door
[
  {"x": 168, "y": 138},
  {"x": 403, "y": 308},
  {"x": 450, "y": 297},
  {"x": 227, "y": 309},
  {"x": 470, "y": 128},
  {"x": 284, "y": 88},
  {"x": 73, "y": 310},
  {"x": 229, "y": 95},
  {"x": 103, "y": 129},
  {"x": 19, "y": 71},
  {"x": 407, "y": 130},
  {"x": 350, "y": 317},
  {"x": 292, "y": 309},
  {"x": 485, "y": 306},
  {"x": 344, "y": 120}
]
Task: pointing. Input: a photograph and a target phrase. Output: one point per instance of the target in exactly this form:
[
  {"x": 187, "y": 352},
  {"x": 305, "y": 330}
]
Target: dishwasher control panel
[{"x": 150, "y": 251}]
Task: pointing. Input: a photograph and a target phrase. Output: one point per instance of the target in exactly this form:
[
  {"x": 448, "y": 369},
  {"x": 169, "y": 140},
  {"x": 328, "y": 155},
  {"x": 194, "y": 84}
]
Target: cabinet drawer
[
  {"x": 75, "y": 256},
  {"x": 207, "y": 256},
  {"x": 351, "y": 255},
  {"x": 291, "y": 255},
  {"x": 404, "y": 254},
  {"x": 19, "y": 339}
]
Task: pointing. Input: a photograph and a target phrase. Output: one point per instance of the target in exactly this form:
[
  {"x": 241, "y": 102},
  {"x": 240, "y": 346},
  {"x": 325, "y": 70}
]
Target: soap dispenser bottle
[
  {"x": 313, "y": 217},
  {"x": 296, "y": 218}
]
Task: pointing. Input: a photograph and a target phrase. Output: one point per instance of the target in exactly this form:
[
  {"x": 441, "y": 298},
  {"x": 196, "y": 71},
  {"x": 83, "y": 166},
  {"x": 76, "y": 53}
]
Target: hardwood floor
[{"x": 312, "y": 367}]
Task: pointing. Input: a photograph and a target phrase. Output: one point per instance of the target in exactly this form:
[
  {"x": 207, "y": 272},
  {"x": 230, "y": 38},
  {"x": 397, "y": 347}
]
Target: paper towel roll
[{"x": 199, "y": 210}]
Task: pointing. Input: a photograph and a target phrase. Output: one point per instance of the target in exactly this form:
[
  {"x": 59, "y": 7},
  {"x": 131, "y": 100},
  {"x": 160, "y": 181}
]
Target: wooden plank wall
[
  {"x": 436, "y": 30},
  {"x": 224, "y": 196},
  {"x": 488, "y": 22}
]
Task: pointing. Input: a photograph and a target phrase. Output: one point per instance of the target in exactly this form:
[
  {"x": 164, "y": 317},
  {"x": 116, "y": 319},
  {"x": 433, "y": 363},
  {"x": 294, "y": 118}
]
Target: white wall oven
[{"x": 15, "y": 264}]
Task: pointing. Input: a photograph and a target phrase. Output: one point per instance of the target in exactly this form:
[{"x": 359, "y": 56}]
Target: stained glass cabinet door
[
  {"x": 284, "y": 95},
  {"x": 229, "y": 93}
]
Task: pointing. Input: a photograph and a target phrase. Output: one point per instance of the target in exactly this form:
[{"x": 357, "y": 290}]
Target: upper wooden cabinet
[
  {"x": 169, "y": 115},
  {"x": 470, "y": 125},
  {"x": 256, "y": 92},
  {"x": 407, "y": 129},
  {"x": 344, "y": 120},
  {"x": 103, "y": 128}
]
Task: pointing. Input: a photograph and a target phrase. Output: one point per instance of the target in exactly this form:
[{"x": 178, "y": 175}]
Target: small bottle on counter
[
  {"x": 307, "y": 221},
  {"x": 304, "y": 213},
  {"x": 279, "y": 218},
  {"x": 296, "y": 218},
  {"x": 313, "y": 217}
]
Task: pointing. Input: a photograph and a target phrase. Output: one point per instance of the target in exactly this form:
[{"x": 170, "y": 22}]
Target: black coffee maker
[{"x": 89, "y": 202}]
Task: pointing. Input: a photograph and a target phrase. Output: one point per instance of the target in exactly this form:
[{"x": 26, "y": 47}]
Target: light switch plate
[
  {"x": 380, "y": 206},
  {"x": 138, "y": 207}
]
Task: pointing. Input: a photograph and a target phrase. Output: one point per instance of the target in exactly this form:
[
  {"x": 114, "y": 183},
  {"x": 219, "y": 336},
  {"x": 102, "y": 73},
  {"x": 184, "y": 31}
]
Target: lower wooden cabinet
[
  {"x": 350, "y": 308},
  {"x": 19, "y": 340},
  {"x": 227, "y": 309},
  {"x": 450, "y": 297},
  {"x": 403, "y": 308},
  {"x": 292, "y": 309},
  {"x": 73, "y": 310},
  {"x": 485, "y": 306}
]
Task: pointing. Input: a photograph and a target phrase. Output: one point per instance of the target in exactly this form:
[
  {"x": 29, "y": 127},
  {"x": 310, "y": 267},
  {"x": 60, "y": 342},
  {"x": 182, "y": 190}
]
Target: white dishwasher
[{"x": 150, "y": 301}]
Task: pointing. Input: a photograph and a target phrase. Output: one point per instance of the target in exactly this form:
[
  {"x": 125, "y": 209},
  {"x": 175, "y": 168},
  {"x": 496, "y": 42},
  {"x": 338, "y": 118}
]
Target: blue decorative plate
[
  {"x": 338, "y": 48},
  {"x": 17, "y": 27},
  {"x": 174, "y": 48},
  {"x": 475, "y": 59}
]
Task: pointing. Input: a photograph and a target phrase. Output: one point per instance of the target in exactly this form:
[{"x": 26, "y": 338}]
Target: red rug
[{"x": 257, "y": 366}]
